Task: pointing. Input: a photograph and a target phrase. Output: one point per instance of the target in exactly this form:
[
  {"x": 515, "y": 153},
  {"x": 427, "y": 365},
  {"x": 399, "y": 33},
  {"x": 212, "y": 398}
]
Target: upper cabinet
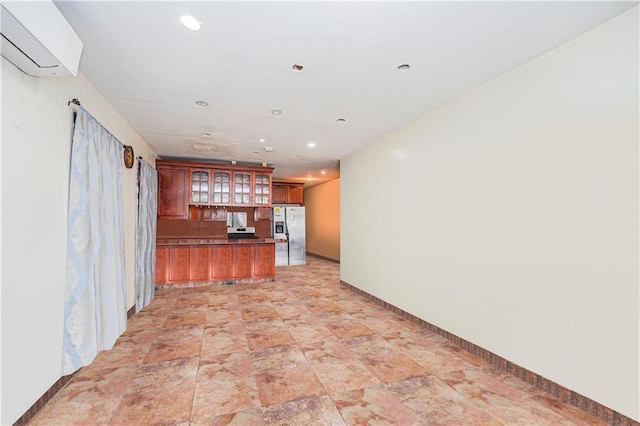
[
  {"x": 172, "y": 192},
  {"x": 221, "y": 188},
  {"x": 280, "y": 193},
  {"x": 200, "y": 187},
  {"x": 295, "y": 194},
  {"x": 262, "y": 189},
  {"x": 211, "y": 184},
  {"x": 287, "y": 193},
  {"x": 242, "y": 184}
]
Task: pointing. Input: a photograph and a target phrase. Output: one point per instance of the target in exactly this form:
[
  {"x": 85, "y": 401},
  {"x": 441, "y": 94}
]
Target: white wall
[
  {"x": 36, "y": 146},
  {"x": 526, "y": 192}
]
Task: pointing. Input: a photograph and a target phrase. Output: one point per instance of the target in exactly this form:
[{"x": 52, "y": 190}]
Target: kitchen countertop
[{"x": 177, "y": 241}]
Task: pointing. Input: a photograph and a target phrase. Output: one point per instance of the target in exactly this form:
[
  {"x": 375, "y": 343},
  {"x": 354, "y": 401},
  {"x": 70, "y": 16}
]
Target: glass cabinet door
[
  {"x": 199, "y": 187},
  {"x": 262, "y": 191},
  {"x": 242, "y": 188},
  {"x": 221, "y": 188}
]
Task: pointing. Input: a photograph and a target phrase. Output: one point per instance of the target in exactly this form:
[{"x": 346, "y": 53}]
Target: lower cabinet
[
  {"x": 201, "y": 263},
  {"x": 178, "y": 264},
  {"x": 198, "y": 263},
  {"x": 172, "y": 264},
  {"x": 162, "y": 268},
  {"x": 221, "y": 262},
  {"x": 264, "y": 261},
  {"x": 242, "y": 261}
]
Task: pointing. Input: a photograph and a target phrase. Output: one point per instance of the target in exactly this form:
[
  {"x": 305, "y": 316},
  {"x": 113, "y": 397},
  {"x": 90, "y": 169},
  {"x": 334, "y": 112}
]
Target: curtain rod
[
  {"x": 76, "y": 102},
  {"x": 142, "y": 160}
]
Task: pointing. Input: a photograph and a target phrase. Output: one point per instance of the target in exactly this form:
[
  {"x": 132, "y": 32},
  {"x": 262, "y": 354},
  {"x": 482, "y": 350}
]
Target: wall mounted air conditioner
[{"x": 38, "y": 39}]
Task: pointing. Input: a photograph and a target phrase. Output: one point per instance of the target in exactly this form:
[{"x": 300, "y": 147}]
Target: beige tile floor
[{"x": 302, "y": 350}]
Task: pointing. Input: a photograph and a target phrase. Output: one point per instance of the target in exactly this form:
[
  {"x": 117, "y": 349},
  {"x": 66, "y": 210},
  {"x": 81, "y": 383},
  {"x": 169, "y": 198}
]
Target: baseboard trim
[
  {"x": 42, "y": 401},
  {"x": 54, "y": 389},
  {"x": 319, "y": 256},
  {"x": 194, "y": 284},
  {"x": 559, "y": 392}
]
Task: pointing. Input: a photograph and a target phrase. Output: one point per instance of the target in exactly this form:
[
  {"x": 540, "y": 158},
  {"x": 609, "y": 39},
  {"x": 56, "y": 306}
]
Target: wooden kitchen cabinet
[
  {"x": 215, "y": 214},
  {"x": 172, "y": 264},
  {"x": 184, "y": 183},
  {"x": 264, "y": 261},
  {"x": 242, "y": 261},
  {"x": 262, "y": 189},
  {"x": 200, "y": 187},
  {"x": 162, "y": 253},
  {"x": 219, "y": 214},
  {"x": 172, "y": 192},
  {"x": 294, "y": 194},
  {"x": 178, "y": 264},
  {"x": 199, "y": 263},
  {"x": 242, "y": 184},
  {"x": 221, "y": 262},
  {"x": 287, "y": 193},
  {"x": 280, "y": 195},
  {"x": 221, "y": 188},
  {"x": 262, "y": 213}
]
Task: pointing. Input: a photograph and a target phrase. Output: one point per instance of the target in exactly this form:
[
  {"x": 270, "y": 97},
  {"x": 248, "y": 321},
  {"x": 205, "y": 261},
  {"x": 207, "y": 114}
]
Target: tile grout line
[
  {"x": 561, "y": 393},
  {"x": 54, "y": 389},
  {"x": 310, "y": 291},
  {"x": 195, "y": 379}
]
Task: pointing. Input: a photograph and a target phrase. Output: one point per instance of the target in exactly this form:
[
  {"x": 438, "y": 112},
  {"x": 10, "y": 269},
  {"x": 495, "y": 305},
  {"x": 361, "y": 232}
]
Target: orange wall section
[{"x": 322, "y": 204}]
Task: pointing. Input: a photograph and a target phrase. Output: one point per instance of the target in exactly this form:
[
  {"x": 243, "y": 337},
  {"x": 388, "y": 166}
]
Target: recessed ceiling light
[
  {"x": 297, "y": 67},
  {"x": 404, "y": 67},
  {"x": 268, "y": 148},
  {"x": 311, "y": 145},
  {"x": 262, "y": 140},
  {"x": 299, "y": 155},
  {"x": 323, "y": 172},
  {"x": 190, "y": 22},
  {"x": 206, "y": 134},
  {"x": 341, "y": 120},
  {"x": 276, "y": 111},
  {"x": 202, "y": 103}
]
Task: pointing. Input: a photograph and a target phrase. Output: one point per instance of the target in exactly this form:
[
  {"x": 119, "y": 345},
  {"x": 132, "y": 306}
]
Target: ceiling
[{"x": 152, "y": 69}]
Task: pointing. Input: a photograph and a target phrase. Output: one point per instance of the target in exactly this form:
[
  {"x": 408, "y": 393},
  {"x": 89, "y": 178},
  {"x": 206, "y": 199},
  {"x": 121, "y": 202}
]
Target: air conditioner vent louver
[{"x": 37, "y": 39}]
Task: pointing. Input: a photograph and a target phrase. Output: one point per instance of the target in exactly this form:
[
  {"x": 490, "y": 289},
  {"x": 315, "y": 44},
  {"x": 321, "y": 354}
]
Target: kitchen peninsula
[{"x": 198, "y": 240}]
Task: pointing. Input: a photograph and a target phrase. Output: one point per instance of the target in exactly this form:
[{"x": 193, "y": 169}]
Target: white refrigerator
[{"x": 289, "y": 224}]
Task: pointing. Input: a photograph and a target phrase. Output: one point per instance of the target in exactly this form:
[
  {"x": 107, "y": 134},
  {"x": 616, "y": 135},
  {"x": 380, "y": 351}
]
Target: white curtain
[
  {"x": 146, "y": 235},
  {"x": 95, "y": 312}
]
